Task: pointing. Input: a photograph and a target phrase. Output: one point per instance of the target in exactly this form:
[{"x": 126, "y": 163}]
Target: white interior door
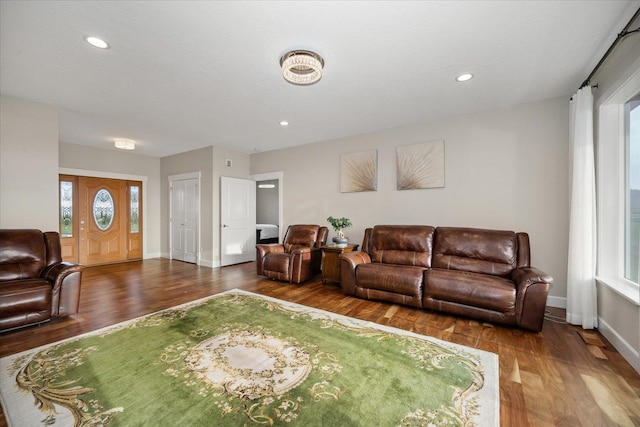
[
  {"x": 237, "y": 220},
  {"x": 185, "y": 211}
]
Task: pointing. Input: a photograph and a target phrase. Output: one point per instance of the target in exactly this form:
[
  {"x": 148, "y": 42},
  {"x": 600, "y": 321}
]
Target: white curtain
[{"x": 581, "y": 283}]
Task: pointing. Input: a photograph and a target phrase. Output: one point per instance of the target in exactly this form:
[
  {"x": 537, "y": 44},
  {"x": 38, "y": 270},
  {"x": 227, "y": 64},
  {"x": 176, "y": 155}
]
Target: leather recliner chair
[
  {"x": 297, "y": 259},
  {"x": 35, "y": 285}
]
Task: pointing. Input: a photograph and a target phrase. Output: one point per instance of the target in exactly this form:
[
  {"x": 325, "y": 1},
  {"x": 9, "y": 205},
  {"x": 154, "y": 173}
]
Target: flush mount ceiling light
[
  {"x": 284, "y": 123},
  {"x": 125, "y": 144},
  {"x": 266, "y": 186},
  {"x": 301, "y": 67},
  {"x": 464, "y": 77},
  {"x": 97, "y": 42}
]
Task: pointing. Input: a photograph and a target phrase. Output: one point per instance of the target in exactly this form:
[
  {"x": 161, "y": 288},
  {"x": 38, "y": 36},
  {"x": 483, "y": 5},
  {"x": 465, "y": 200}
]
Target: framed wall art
[
  {"x": 420, "y": 166},
  {"x": 359, "y": 171}
]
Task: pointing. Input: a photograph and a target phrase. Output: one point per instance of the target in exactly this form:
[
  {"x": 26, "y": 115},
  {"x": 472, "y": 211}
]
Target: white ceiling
[{"x": 184, "y": 75}]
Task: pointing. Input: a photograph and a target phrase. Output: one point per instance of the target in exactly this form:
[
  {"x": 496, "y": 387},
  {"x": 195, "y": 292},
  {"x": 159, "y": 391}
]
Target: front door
[
  {"x": 103, "y": 220},
  {"x": 100, "y": 219}
]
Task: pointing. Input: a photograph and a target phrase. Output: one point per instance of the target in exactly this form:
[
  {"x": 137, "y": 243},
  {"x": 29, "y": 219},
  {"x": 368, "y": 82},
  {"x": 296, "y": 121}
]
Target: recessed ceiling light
[
  {"x": 464, "y": 77},
  {"x": 96, "y": 42},
  {"x": 284, "y": 123},
  {"x": 125, "y": 144}
]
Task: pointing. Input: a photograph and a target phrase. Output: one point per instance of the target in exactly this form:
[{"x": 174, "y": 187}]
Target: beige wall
[
  {"x": 28, "y": 165},
  {"x": 190, "y": 162},
  {"x": 90, "y": 161},
  {"x": 211, "y": 163},
  {"x": 504, "y": 169}
]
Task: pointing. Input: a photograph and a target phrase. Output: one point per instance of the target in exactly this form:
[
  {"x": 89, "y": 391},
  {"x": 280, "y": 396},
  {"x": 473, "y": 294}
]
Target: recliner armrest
[
  {"x": 532, "y": 287},
  {"x": 355, "y": 257},
  {"x": 263, "y": 249},
  {"x": 57, "y": 272},
  {"x": 65, "y": 279},
  {"x": 525, "y": 276},
  {"x": 301, "y": 250},
  {"x": 349, "y": 262}
]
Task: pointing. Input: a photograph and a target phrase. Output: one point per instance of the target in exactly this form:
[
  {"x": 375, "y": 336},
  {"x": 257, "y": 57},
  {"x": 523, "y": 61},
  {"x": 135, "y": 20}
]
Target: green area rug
[{"x": 241, "y": 359}]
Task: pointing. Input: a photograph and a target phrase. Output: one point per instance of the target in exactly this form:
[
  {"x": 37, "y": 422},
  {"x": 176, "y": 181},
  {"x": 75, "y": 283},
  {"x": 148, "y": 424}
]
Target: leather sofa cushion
[
  {"x": 22, "y": 254},
  {"x": 25, "y": 296},
  {"x": 492, "y": 252},
  {"x": 402, "y": 245},
  {"x": 398, "y": 279},
  {"x": 471, "y": 289}
]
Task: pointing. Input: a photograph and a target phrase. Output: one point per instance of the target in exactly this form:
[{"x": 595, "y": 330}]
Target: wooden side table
[{"x": 331, "y": 261}]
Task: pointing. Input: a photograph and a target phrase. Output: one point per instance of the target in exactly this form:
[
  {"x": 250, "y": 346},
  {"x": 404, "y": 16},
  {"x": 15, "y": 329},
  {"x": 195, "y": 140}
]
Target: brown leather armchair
[
  {"x": 35, "y": 285},
  {"x": 297, "y": 259}
]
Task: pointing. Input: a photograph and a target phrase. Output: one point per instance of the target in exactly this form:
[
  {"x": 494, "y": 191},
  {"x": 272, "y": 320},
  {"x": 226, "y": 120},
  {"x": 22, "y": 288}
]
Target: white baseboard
[
  {"x": 153, "y": 255},
  {"x": 557, "y": 302},
  {"x": 630, "y": 354},
  {"x": 206, "y": 263},
  {"x": 202, "y": 262}
]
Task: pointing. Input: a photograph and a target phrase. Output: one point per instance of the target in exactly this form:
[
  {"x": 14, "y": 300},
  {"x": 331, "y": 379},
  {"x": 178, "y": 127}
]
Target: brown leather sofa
[
  {"x": 35, "y": 285},
  {"x": 297, "y": 259},
  {"x": 482, "y": 274}
]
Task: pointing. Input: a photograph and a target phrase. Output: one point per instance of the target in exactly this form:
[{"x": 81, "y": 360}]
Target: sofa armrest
[
  {"x": 532, "y": 287},
  {"x": 265, "y": 248},
  {"x": 65, "y": 279},
  {"x": 526, "y": 276},
  {"x": 297, "y": 250},
  {"x": 349, "y": 262}
]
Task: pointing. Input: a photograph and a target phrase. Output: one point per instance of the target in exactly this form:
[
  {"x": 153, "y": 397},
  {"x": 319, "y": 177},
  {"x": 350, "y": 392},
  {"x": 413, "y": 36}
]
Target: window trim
[
  {"x": 611, "y": 189},
  {"x": 627, "y": 191}
]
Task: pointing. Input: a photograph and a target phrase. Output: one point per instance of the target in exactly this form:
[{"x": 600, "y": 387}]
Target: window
[
  {"x": 618, "y": 189},
  {"x": 66, "y": 208},
  {"x": 134, "y": 203},
  {"x": 632, "y": 190},
  {"x": 103, "y": 209}
]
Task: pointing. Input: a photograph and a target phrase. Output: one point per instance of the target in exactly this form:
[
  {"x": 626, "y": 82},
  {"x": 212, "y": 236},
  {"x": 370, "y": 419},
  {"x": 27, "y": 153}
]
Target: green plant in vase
[{"x": 339, "y": 224}]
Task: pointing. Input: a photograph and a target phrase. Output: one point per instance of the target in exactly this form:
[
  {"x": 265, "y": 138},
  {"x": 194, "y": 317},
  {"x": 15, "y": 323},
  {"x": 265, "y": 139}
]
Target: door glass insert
[
  {"x": 103, "y": 208},
  {"x": 135, "y": 208},
  {"x": 66, "y": 209}
]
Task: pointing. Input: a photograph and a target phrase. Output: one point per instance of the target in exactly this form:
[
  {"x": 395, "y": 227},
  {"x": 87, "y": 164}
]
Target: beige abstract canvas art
[
  {"x": 359, "y": 171},
  {"x": 421, "y": 166}
]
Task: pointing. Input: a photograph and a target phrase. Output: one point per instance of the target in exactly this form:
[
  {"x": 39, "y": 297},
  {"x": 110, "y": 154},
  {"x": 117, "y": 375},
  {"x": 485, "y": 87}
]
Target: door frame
[
  {"x": 280, "y": 177},
  {"x": 180, "y": 177},
  {"x": 125, "y": 177}
]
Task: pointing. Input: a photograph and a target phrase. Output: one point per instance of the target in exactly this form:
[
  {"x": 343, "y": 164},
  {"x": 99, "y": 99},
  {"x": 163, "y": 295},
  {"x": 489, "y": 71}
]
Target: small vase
[{"x": 341, "y": 242}]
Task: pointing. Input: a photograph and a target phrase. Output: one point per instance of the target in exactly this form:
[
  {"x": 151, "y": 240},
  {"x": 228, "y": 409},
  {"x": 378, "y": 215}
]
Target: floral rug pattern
[{"x": 249, "y": 360}]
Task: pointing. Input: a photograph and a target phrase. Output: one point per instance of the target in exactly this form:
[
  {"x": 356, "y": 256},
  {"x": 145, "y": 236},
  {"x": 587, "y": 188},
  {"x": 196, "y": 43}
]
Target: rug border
[{"x": 490, "y": 360}]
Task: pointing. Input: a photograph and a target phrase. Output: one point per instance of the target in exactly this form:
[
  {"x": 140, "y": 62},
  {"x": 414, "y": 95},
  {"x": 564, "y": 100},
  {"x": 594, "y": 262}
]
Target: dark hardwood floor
[{"x": 558, "y": 377}]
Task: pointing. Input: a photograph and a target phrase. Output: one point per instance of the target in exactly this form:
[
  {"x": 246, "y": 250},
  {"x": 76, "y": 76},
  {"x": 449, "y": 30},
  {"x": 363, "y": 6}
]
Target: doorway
[
  {"x": 100, "y": 219},
  {"x": 269, "y": 195},
  {"x": 267, "y": 211}
]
